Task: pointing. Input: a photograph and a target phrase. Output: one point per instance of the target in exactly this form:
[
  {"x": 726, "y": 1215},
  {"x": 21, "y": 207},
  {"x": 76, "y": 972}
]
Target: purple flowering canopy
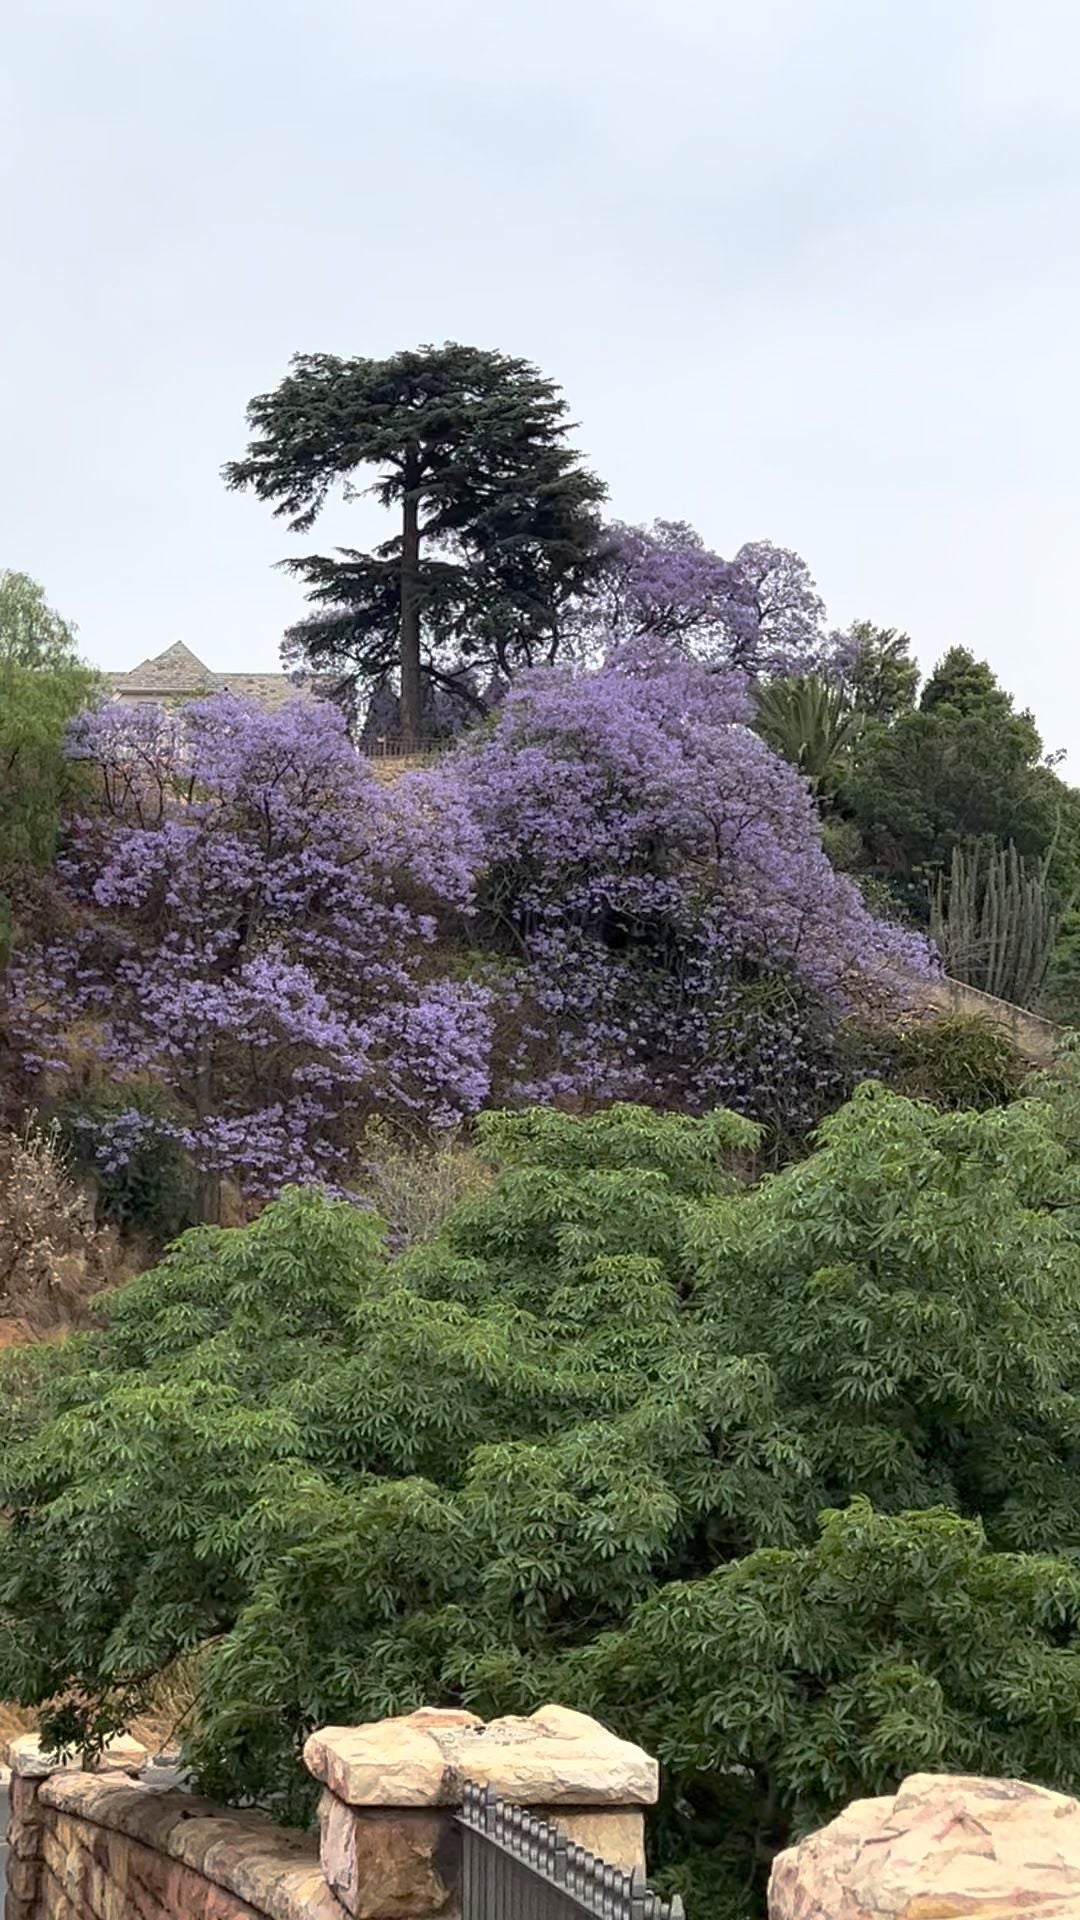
[
  {"x": 617, "y": 892},
  {"x": 760, "y": 612},
  {"x": 654, "y": 877},
  {"x": 254, "y": 917}
]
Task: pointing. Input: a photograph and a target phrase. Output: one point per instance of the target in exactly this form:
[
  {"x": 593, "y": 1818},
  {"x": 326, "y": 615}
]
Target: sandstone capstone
[
  {"x": 554, "y": 1757},
  {"x": 384, "y": 1763}
]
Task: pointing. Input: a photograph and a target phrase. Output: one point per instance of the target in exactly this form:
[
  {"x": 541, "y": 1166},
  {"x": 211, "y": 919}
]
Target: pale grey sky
[{"x": 807, "y": 271}]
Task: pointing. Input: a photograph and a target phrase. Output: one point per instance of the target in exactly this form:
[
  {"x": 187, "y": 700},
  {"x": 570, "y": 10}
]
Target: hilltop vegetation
[
  {"x": 596, "y": 1284},
  {"x": 617, "y": 890}
]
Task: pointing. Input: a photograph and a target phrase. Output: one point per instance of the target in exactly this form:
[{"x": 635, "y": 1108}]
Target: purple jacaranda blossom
[
  {"x": 654, "y": 877},
  {"x": 760, "y": 612},
  {"x": 257, "y": 919}
]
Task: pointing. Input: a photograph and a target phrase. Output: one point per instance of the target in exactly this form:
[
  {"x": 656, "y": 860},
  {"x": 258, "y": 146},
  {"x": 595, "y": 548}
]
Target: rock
[
  {"x": 385, "y": 1763},
  {"x": 431, "y": 1717},
  {"x": 553, "y": 1757},
  {"x": 386, "y": 1866},
  {"x": 944, "y": 1845},
  {"x": 614, "y": 1834}
]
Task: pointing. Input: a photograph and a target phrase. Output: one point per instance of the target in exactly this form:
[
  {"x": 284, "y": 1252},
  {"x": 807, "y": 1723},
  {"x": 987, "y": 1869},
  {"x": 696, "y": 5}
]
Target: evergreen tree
[
  {"x": 878, "y": 673},
  {"x": 498, "y": 524},
  {"x": 963, "y": 765}
]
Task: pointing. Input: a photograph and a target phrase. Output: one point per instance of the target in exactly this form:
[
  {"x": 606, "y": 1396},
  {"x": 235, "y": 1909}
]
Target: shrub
[
  {"x": 955, "y": 1060},
  {"x": 123, "y": 1138},
  {"x": 578, "y": 1444},
  {"x": 51, "y": 1260},
  {"x": 414, "y": 1185}
]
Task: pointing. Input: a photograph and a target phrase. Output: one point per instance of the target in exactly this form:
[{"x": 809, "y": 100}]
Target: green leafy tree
[
  {"x": 32, "y": 634},
  {"x": 880, "y": 677},
  {"x": 43, "y": 683},
  {"x": 783, "y": 1686},
  {"x": 578, "y": 1445},
  {"x": 962, "y": 766},
  {"x": 498, "y": 522}
]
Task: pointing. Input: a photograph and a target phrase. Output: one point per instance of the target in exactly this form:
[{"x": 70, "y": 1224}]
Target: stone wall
[
  {"x": 1037, "y": 1039},
  {"x": 389, "y": 1843},
  {"x": 108, "y": 1846},
  {"x": 105, "y": 1846}
]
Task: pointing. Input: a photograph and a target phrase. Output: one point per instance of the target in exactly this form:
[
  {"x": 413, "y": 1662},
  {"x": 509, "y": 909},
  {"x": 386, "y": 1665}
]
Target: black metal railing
[
  {"x": 389, "y": 747},
  {"x": 516, "y": 1867}
]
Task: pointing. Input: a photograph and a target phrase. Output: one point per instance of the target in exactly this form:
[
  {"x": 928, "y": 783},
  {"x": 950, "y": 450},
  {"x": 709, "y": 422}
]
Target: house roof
[
  {"x": 177, "y": 670},
  {"x": 179, "y": 673}
]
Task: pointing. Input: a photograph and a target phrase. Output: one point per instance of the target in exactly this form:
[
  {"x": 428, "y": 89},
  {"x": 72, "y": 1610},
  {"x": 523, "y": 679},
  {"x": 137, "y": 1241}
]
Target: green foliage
[
  {"x": 842, "y": 842},
  {"x": 994, "y": 924},
  {"x": 498, "y": 523},
  {"x": 962, "y": 766},
  {"x": 792, "y": 1682},
  {"x": 881, "y": 679},
  {"x": 32, "y": 634},
  {"x": 149, "y": 1186},
  {"x": 811, "y": 721},
  {"x": 577, "y": 1445},
  {"x": 954, "y": 1060},
  {"x": 1060, "y": 998},
  {"x": 42, "y": 684}
]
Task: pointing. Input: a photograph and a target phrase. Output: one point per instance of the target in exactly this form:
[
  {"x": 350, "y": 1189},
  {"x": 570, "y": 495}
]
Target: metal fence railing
[
  {"x": 516, "y": 1867},
  {"x": 393, "y": 749}
]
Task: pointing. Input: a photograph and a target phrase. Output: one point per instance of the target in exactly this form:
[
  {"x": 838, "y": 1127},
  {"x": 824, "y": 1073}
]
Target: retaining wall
[
  {"x": 108, "y": 1846},
  {"x": 1037, "y": 1039}
]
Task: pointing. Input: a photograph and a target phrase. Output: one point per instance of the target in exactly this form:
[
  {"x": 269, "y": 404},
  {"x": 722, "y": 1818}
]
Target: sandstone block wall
[{"x": 106, "y": 1846}]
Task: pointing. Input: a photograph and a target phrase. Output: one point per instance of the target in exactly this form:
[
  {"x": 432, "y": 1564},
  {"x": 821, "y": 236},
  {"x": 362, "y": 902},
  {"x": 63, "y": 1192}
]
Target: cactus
[{"x": 994, "y": 922}]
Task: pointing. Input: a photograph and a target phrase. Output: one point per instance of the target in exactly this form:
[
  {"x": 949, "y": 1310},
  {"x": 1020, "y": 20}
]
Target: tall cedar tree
[{"x": 498, "y": 522}]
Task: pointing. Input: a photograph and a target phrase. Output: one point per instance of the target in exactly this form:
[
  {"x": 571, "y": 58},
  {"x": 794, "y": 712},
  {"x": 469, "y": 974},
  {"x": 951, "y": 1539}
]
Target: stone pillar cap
[
  {"x": 30, "y": 1760},
  {"x": 553, "y": 1757}
]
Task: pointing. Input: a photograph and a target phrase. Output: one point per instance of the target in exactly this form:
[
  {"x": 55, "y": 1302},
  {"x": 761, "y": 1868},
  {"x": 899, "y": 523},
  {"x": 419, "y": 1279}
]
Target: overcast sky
[{"x": 807, "y": 271}]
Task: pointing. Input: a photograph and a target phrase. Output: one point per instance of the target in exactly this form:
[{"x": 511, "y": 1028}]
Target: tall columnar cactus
[{"x": 994, "y": 922}]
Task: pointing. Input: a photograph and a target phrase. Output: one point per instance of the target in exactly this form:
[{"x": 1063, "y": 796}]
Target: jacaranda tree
[
  {"x": 253, "y": 916},
  {"x": 760, "y": 612},
  {"x": 653, "y": 878}
]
